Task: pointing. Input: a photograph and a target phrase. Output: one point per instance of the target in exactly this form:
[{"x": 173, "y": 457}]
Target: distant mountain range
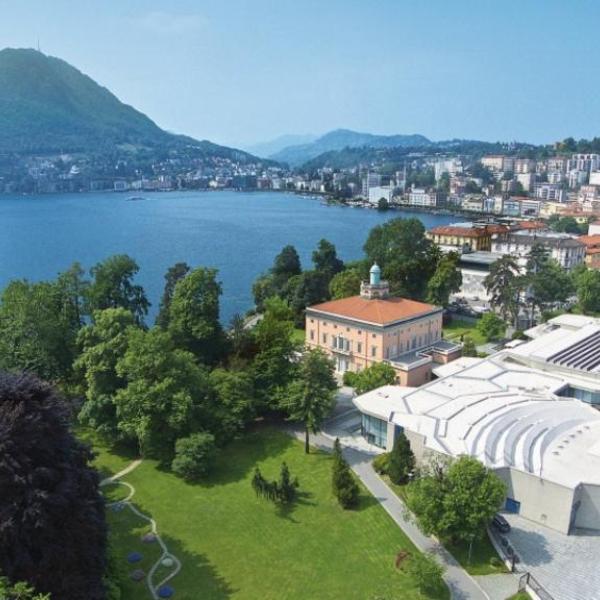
[
  {"x": 267, "y": 149},
  {"x": 47, "y": 106},
  {"x": 339, "y": 139}
]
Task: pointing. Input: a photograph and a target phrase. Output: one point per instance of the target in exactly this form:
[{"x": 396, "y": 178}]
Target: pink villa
[{"x": 374, "y": 327}]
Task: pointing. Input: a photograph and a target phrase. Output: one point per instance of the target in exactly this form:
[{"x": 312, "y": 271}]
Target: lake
[{"x": 236, "y": 232}]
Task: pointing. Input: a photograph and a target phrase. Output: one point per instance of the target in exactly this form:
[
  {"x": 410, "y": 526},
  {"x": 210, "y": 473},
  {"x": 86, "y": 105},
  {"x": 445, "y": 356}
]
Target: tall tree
[
  {"x": 343, "y": 483},
  {"x": 38, "y": 329},
  {"x": 549, "y": 284},
  {"x": 52, "y": 528},
  {"x": 491, "y": 326},
  {"x": 273, "y": 366},
  {"x": 112, "y": 286},
  {"x": 194, "y": 316},
  {"x": 457, "y": 502},
  {"x": 174, "y": 274},
  {"x": 326, "y": 260},
  {"x": 167, "y": 394},
  {"x": 286, "y": 265},
  {"x": 503, "y": 284},
  {"x": 587, "y": 284},
  {"x": 103, "y": 343},
  {"x": 310, "y": 397},
  {"x": 345, "y": 284},
  {"x": 373, "y": 377},
  {"x": 407, "y": 258},
  {"x": 311, "y": 287},
  {"x": 446, "y": 280},
  {"x": 401, "y": 462}
]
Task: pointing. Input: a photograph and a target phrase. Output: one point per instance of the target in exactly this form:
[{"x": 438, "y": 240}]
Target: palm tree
[{"x": 504, "y": 285}]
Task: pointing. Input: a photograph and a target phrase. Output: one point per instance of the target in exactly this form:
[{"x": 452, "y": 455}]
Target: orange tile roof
[
  {"x": 590, "y": 241},
  {"x": 474, "y": 232},
  {"x": 531, "y": 225},
  {"x": 381, "y": 311}
]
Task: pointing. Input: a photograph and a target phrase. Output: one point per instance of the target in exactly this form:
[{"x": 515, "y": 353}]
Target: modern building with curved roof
[{"x": 526, "y": 423}]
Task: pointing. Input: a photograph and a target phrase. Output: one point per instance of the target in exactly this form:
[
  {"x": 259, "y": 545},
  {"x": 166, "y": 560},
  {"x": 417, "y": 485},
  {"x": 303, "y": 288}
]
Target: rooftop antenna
[{"x": 38, "y": 45}]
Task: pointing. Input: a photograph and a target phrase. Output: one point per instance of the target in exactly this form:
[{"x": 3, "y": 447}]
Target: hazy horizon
[{"x": 241, "y": 74}]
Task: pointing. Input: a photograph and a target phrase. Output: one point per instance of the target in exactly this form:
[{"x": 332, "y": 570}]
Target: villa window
[
  {"x": 373, "y": 351},
  {"x": 312, "y": 335},
  {"x": 359, "y": 347},
  {"x": 324, "y": 338}
]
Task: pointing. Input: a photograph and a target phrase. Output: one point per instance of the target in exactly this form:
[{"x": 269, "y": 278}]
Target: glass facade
[
  {"x": 589, "y": 396},
  {"x": 374, "y": 430}
]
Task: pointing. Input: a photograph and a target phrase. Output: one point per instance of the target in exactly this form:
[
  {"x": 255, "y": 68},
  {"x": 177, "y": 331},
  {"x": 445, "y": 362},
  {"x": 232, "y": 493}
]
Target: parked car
[{"x": 500, "y": 523}]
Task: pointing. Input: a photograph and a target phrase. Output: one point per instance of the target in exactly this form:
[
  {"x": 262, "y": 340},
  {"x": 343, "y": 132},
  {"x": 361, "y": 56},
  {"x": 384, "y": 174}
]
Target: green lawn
[
  {"x": 299, "y": 335},
  {"x": 235, "y": 545},
  {"x": 110, "y": 458},
  {"x": 458, "y": 327}
]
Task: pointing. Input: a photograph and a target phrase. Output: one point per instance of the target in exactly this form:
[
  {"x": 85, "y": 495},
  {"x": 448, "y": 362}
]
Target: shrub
[
  {"x": 427, "y": 573},
  {"x": 349, "y": 378},
  {"x": 518, "y": 335},
  {"x": 194, "y": 456},
  {"x": 381, "y": 463},
  {"x": 401, "y": 460},
  {"x": 283, "y": 491},
  {"x": 496, "y": 562},
  {"x": 343, "y": 484}
]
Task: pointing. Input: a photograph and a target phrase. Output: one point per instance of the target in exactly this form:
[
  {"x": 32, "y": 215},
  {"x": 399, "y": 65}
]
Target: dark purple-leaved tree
[{"x": 52, "y": 526}]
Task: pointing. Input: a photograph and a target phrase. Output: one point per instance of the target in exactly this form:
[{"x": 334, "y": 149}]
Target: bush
[
  {"x": 427, "y": 572},
  {"x": 401, "y": 461},
  {"x": 518, "y": 335},
  {"x": 343, "y": 484},
  {"x": 496, "y": 562},
  {"x": 381, "y": 463},
  {"x": 283, "y": 491},
  {"x": 374, "y": 376},
  {"x": 350, "y": 378},
  {"x": 194, "y": 456}
]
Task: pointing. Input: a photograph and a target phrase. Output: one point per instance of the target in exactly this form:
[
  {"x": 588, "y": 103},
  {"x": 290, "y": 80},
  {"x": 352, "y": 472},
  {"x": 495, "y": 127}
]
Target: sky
[{"x": 241, "y": 72}]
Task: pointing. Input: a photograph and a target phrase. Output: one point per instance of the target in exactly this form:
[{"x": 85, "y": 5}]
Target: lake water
[{"x": 238, "y": 233}]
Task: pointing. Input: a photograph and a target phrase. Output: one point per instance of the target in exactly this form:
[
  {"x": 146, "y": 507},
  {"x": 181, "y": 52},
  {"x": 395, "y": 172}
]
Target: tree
[
  {"x": 174, "y": 274},
  {"x": 458, "y": 501},
  {"x": 311, "y": 287},
  {"x": 273, "y": 366},
  {"x": 19, "y": 591},
  {"x": 284, "y": 490},
  {"x": 375, "y": 376},
  {"x": 167, "y": 394},
  {"x": 286, "y": 265},
  {"x": 566, "y": 225},
  {"x": 343, "y": 483},
  {"x": 383, "y": 204},
  {"x": 503, "y": 284},
  {"x": 491, "y": 326},
  {"x": 234, "y": 403},
  {"x": 401, "y": 462},
  {"x": 103, "y": 343},
  {"x": 325, "y": 259},
  {"x": 549, "y": 284},
  {"x": 446, "y": 280},
  {"x": 587, "y": 285},
  {"x": 38, "y": 328},
  {"x": 112, "y": 287},
  {"x": 310, "y": 397},
  {"x": 407, "y": 258},
  {"x": 469, "y": 348},
  {"x": 344, "y": 284},
  {"x": 51, "y": 510},
  {"x": 194, "y": 316},
  {"x": 194, "y": 456},
  {"x": 241, "y": 342},
  {"x": 426, "y": 572}
]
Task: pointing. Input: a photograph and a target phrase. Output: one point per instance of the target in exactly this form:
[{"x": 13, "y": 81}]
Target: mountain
[
  {"x": 48, "y": 106},
  {"x": 345, "y": 138},
  {"x": 266, "y": 149}
]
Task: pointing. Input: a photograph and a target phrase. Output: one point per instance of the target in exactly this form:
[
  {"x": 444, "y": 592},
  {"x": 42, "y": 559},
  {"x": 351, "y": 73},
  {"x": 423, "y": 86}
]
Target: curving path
[{"x": 116, "y": 480}]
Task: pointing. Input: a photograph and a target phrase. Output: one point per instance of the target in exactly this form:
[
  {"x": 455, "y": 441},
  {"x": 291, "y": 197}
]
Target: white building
[
  {"x": 370, "y": 180},
  {"x": 562, "y": 247},
  {"x": 551, "y": 192},
  {"x": 452, "y": 166},
  {"x": 421, "y": 197},
  {"x": 376, "y": 193},
  {"x": 519, "y": 413},
  {"x": 527, "y": 180},
  {"x": 584, "y": 162}
]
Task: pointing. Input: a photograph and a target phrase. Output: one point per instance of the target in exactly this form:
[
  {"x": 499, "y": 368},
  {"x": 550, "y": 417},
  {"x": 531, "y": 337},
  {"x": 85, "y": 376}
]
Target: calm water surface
[{"x": 238, "y": 233}]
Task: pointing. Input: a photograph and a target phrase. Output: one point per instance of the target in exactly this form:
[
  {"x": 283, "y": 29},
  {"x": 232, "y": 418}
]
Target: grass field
[
  {"x": 458, "y": 327},
  {"x": 235, "y": 545},
  {"x": 299, "y": 335},
  {"x": 110, "y": 459}
]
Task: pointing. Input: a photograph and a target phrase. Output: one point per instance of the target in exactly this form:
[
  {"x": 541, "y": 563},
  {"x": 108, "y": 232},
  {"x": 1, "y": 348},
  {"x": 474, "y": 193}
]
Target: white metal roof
[{"x": 503, "y": 413}]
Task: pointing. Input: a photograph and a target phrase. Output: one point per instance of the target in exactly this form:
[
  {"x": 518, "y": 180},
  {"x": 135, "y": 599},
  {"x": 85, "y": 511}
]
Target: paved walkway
[{"x": 461, "y": 584}]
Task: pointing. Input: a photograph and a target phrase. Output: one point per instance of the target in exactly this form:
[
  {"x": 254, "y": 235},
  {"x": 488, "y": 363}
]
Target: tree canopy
[{"x": 51, "y": 512}]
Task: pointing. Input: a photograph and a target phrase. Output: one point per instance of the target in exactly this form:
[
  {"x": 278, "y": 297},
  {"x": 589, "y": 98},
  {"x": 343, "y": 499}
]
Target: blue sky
[{"x": 239, "y": 72}]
